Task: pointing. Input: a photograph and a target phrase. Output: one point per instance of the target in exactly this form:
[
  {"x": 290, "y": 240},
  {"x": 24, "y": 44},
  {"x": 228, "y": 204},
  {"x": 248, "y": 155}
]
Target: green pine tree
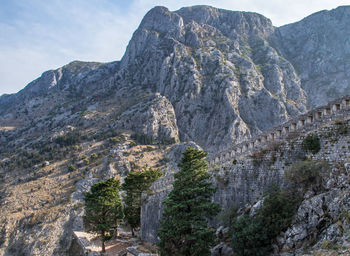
[
  {"x": 184, "y": 225},
  {"x": 134, "y": 184},
  {"x": 103, "y": 208}
]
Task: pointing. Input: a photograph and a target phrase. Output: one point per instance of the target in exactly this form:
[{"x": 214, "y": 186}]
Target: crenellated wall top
[{"x": 304, "y": 122}]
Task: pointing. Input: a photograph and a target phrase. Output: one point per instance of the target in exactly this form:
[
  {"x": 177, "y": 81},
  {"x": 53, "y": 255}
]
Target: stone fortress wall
[
  {"x": 303, "y": 123},
  {"x": 242, "y": 173}
]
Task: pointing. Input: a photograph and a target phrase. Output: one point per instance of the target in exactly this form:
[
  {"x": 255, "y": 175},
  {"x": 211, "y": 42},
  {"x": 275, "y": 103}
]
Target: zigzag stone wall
[
  {"x": 301, "y": 124},
  {"x": 241, "y": 177}
]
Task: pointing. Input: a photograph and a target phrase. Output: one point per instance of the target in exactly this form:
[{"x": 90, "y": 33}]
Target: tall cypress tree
[{"x": 184, "y": 225}]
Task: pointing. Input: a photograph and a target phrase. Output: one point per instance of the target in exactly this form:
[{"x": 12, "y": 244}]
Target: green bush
[
  {"x": 253, "y": 235},
  {"x": 86, "y": 161},
  {"x": 250, "y": 237},
  {"x": 71, "y": 168},
  {"x": 69, "y": 139},
  {"x": 327, "y": 245},
  {"x": 133, "y": 144},
  {"x": 149, "y": 148},
  {"x": 308, "y": 173},
  {"x": 228, "y": 215},
  {"x": 93, "y": 157},
  {"x": 114, "y": 140},
  {"x": 311, "y": 143},
  {"x": 342, "y": 128},
  {"x": 143, "y": 139}
]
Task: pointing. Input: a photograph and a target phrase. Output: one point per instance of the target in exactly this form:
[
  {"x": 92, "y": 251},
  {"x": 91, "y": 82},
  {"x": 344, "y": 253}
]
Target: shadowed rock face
[
  {"x": 319, "y": 49},
  {"x": 227, "y": 75}
]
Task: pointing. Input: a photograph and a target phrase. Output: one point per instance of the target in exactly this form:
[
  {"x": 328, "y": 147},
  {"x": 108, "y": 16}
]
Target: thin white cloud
[
  {"x": 74, "y": 30},
  {"x": 49, "y": 34}
]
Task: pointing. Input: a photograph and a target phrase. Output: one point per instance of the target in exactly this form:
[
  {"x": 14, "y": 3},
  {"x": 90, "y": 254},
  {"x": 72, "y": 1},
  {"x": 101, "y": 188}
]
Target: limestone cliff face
[
  {"x": 153, "y": 117},
  {"x": 74, "y": 78},
  {"x": 211, "y": 64},
  {"x": 319, "y": 49}
]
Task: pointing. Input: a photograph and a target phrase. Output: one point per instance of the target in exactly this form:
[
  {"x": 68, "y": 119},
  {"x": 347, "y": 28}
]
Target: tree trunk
[
  {"x": 103, "y": 238},
  {"x": 132, "y": 232},
  {"x": 115, "y": 233},
  {"x": 103, "y": 246}
]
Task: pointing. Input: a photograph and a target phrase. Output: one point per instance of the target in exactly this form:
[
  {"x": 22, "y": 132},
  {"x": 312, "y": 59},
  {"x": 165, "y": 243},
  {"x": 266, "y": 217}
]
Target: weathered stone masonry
[
  {"x": 302, "y": 123},
  {"x": 242, "y": 173}
]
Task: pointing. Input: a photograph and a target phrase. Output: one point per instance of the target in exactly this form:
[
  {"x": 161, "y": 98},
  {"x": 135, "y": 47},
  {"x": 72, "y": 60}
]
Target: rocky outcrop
[
  {"x": 76, "y": 78},
  {"x": 206, "y": 61},
  {"x": 321, "y": 217},
  {"x": 153, "y": 117}
]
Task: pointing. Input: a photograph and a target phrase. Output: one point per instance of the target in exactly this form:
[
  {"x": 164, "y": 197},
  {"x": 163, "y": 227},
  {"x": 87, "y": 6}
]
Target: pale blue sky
[{"x": 38, "y": 35}]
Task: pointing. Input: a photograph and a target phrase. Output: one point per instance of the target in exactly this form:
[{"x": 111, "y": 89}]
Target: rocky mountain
[
  {"x": 201, "y": 74},
  {"x": 232, "y": 72},
  {"x": 319, "y": 49}
]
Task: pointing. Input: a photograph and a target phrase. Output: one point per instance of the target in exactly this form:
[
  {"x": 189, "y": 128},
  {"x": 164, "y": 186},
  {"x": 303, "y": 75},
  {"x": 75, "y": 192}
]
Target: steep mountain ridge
[
  {"x": 208, "y": 69},
  {"x": 233, "y": 72},
  {"x": 319, "y": 49}
]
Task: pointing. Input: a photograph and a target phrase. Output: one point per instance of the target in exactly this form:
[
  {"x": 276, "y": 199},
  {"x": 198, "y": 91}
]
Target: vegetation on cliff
[
  {"x": 134, "y": 184},
  {"x": 253, "y": 235},
  {"x": 184, "y": 225},
  {"x": 308, "y": 174},
  {"x": 311, "y": 143}
]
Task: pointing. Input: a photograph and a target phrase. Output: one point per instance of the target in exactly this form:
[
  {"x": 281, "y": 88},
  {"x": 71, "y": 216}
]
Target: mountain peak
[
  {"x": 161, "y": 19},
  {"x": 207, "y": 14}
]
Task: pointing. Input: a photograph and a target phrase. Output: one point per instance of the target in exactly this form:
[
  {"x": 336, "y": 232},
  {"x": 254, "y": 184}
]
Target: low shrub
[
  {"x": 342, "y": 128},
  {"x": 143, "y": 139},
  {"x": 228, "y": 215},
  {"x": 86, "y": 161},
  {"x": 253, "y": 235},
  {"x": 308, "y": 173},
  {"x": 71, "y": 168},
  {"x": 311, "y": 143},
  {"x": 93, "y": 157},
  {"x": 327, "y": 245},
  {"x": 149, "y": 148},
  {"x": 114, "y": 140},
  {"x": 69, "y": 139},
  {"x": 133, "y": 144}
]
